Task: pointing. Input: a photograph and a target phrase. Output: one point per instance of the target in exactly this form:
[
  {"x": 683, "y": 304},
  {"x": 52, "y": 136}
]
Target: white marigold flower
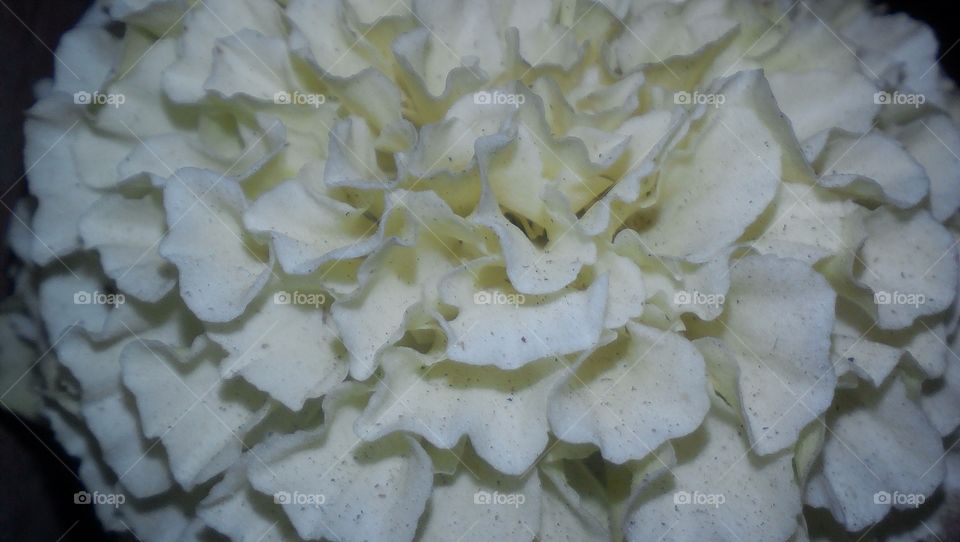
[{"x": 365, "y": 270}]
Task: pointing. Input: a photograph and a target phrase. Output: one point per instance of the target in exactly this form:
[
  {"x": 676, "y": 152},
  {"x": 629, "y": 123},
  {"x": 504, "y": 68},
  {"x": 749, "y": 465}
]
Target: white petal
[
  {"x": 309, "y": 230},
  {"x": 626, "y": 294},
  {"x": 250, "y": 64},
  {"x": 203, "y": 25},
  {"x": 219, "y": 272},
  {"x": 498, "y": 327},
  {"x": 54, "y": 180},
  {"x": 910, "y": 263},
  {"x": 126, "y": 233},
  {"x": 728, "y": 176},
  {"x": 392, "y": 281},
  {"x": 503, "y": 412},
  {"x": 370, "y": 492},
  {"x": 760, "y": 497},
  {"x": 809, "y": 225},
  {"x": 664, "y": 30},
  {"x": 184, "y": 402},
  {"x": 633, "y": 395},
  {"x": 803, "y": 98},
  {"x": 935, "y": 143},
  {"x": 85, "y": 56},
  {"x": 874, "y": 166},
  {"x": 777, "y": 324},
  {"x": 941, "y": 397},
  {"x": 879, "y": 442},
  {"x": 285, "y": 348},
  {"x": 239, "y": 512},
  {"x": 478, "y": 504},
  {"x": 111, "y": 416}
]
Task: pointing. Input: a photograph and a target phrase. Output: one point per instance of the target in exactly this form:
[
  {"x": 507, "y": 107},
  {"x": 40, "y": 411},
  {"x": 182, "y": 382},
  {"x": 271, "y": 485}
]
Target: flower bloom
[{"x": 365, "y": 270}]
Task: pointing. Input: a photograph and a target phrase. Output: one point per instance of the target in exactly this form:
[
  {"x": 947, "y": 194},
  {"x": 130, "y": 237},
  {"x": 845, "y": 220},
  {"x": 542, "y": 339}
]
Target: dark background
[{"x": 36, "y": 491}]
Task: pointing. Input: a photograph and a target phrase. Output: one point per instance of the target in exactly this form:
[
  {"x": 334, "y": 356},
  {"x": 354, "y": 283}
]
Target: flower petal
[
  {"x": 206, "y": 240},
  {"x": 503, "y": 412},
  {"x": 361, "y": 492},
  {"x": 631, "y": 396}
]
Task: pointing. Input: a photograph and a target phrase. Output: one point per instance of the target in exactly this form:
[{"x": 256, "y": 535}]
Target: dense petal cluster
[{"x": 374, "y": 270}]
